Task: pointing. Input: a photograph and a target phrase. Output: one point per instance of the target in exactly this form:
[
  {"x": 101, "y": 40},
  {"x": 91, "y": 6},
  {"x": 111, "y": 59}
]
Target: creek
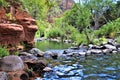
[{"x": 95, "y": 67}]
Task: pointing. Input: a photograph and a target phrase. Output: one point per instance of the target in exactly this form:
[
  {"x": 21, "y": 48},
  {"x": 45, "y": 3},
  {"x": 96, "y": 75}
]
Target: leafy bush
[
  {"x": 100, "y": 41},
  {"x": 118, "y": 39},
  {"x": 3, "y": 52},
  {"x": 54, "y": 33},
  {"x": 41, "y": 28},
  {"x": 79, "y": 38},
  {"x": 109, "y": 29}
]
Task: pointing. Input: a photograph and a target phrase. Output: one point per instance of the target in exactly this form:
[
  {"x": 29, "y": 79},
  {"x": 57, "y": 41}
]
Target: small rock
[
  {"x": 38, "y": 79},
  {"x": 60, "y": 73},
  {"x": 96, "y": 51},
  {"x": 36, "y": 52},
  {"x": 118, "y": 49},
  {"x": 90, "y": 46},
  {"x": 49, "y": 54},
  {"x": 88, "y": 52},
  {"x": 108, "y": 46},
  {"x": 47, "y": 69},
  {"x": 70, "y": 54},
  {"x": 4, "y": 76},
  {"x": 106, "y": 51},
  {"x": 82, "y": 53},
  {"x": 27, "y": 56},
  {"x": 24, "y": 54},
  {"x": 114, "y": 51}
]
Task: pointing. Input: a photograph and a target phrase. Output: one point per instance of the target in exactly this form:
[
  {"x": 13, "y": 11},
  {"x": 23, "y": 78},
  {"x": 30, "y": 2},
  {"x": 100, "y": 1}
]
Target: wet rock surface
[{"x": 82, "y": 51}]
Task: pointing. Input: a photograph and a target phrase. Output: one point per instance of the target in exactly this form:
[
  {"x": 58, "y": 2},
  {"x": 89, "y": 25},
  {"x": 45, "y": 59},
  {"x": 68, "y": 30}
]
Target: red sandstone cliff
[{"x": 16, "y": 26}]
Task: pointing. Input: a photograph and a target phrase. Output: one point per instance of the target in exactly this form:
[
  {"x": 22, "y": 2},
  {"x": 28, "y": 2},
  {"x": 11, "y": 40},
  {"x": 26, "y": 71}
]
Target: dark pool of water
[{"x": 97, "y": 67}]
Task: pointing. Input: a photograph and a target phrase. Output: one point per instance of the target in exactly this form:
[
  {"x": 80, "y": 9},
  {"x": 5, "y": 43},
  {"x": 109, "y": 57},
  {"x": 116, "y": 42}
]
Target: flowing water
[{"x": 97, "y": 67}]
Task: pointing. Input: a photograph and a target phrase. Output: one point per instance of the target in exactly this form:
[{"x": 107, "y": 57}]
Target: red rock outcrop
[
  {"x": 16, "y": 26},
  {"x": 66, "y": 4},
  {"x": 11, "y": 33}
]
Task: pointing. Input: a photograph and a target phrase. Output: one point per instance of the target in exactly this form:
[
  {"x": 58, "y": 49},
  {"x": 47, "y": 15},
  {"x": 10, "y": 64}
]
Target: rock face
[
  {"x": 11, "y": 33},
  {"x": 16, "y": 26},
  {"x": 11, "y": 63},
  {"x": 66, "y": 4}
]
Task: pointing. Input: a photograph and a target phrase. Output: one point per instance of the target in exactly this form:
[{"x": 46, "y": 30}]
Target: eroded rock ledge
[{"x": 16, "y": 26}]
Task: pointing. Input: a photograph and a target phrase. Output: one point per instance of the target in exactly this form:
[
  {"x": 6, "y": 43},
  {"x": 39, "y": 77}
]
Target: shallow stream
[{"x": 97, "y": 67}]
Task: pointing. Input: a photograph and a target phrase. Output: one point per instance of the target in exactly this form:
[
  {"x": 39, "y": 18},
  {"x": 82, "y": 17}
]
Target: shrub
[
  {"x": 42, "y": 25},
  {"x": 54, "y": 33},
  {"x": 79, "y": 38},
  {"x": 109, "y": 29},
  {"x": 118, "y": 39},
  {"x": 100, "y": 41},
  {"x": 3, "y": 52}
]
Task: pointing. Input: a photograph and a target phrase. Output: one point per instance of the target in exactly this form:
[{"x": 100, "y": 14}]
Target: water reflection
[
  {"x": 48, "y": 45},
  {"x": 91, "y": 68}
]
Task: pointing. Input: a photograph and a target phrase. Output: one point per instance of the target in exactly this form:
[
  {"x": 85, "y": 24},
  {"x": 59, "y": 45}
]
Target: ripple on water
[{"x": 93, "y": 68}]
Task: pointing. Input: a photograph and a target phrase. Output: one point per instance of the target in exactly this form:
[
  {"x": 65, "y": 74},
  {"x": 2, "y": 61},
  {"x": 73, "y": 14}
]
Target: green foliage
[
  {"x": 118, "y": 39},
  {"x": 3, "y": 3},
  {"x": 54, "y": 33},
  {"x": 16, "y": 53},
  {"x": 3, "y": 52},
  {"x": 38, "y": 8},
  {"x": 78, "y": 38},
  {"x": 42, "y": 25},
  {"x": 78, "y": 16},
  {"x": 109, "y": 29},
  {"x": 100, "y": 41}
]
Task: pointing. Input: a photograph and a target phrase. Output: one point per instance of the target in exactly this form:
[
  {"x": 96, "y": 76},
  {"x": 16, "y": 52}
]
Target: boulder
[
  {"x": 36, "y": 52},
  {"x": 4, "y": 76},
  {"x": 27, "y": 56},
  {"x": 108, "y": 46},
  {"x": 96, "y": 51},
  {"x": 37, "y": 66},
  {"x": 50, "y": 54},
  {"x": 11, "y": 63},
  {"x": 18, "y": 75}
]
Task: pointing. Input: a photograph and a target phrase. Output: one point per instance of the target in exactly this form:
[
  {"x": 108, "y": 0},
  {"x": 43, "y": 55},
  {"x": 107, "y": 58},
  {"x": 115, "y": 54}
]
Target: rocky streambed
[
  {"x": 90, "y": 62},
  {"x": 109, "y": 47}
]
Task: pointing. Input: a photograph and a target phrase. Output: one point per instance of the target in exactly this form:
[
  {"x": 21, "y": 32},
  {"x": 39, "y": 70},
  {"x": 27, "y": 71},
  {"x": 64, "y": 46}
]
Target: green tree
[
  {"x": 78, "y": 16},
  {"x": 38, "y": 8}
]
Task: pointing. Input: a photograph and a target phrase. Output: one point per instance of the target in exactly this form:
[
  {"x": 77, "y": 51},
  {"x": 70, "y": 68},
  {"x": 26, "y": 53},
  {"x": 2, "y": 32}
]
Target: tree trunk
[{"x": 96, "y": 20}]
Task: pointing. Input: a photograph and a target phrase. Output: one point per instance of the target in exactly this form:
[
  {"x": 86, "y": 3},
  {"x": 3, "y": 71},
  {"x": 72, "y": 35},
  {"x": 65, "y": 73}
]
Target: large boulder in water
[{"x": 11, "y": 63}]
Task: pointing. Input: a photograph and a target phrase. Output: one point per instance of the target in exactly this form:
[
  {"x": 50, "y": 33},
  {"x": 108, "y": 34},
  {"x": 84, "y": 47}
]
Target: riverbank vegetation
[{"x": 85, "y": 22}]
